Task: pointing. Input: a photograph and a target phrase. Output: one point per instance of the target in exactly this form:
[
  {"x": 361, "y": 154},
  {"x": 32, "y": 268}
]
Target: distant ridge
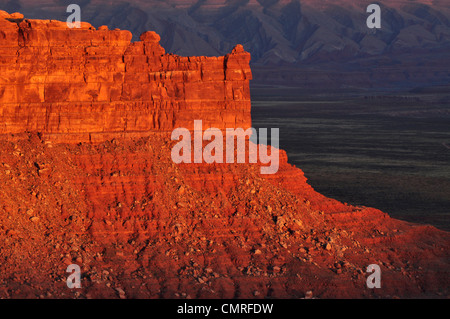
[{"x": 410, "y": 48}]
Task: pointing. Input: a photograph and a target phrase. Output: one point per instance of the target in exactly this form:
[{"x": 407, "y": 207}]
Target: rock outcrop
[
  {"x": 141, "y": 226},
  {"x": 77, "y": 85}
]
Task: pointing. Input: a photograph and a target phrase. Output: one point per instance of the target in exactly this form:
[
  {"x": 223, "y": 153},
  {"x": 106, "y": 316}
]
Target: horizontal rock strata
[{"x": 75, "y": 85}]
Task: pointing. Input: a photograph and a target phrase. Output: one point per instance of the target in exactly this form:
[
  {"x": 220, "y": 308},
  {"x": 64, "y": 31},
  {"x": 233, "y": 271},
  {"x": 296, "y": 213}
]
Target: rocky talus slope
[{"x": 141, "y": 226}]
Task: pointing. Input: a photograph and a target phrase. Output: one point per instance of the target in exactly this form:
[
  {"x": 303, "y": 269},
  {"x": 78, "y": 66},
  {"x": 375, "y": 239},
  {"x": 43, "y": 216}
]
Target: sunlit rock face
[
  {"x": 323, "y": 43},
  {"x": 141, "y": 226},
  {"x": 87, "y": 85}
]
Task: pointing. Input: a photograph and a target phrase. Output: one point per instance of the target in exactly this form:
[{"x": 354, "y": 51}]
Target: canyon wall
[
  {"x": 78, "y": 85},
  {"x": 141, "y": 226}
]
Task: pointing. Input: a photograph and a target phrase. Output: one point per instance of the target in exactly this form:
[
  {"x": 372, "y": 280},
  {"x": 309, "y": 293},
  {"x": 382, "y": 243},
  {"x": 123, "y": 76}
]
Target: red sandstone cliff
[
  {"x": 91, "y": 85},
  {"x": 140, "y": 225}
]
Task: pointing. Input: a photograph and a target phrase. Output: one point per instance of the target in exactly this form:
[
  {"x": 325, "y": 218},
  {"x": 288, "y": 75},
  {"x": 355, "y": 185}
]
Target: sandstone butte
[{"x": 86, "y": 177}]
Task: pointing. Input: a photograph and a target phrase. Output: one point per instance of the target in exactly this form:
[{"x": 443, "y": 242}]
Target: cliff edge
[
  {"x": 109, "y": 198},
  {"x": 77, "y": 85}
]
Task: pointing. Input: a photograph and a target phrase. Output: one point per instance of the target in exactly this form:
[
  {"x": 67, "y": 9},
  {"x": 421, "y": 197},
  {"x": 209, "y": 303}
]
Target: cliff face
[
  {"x": 324, "y": 43},
  {"x": 75, "y": 85},
  {"x": 141, "y": 226}
]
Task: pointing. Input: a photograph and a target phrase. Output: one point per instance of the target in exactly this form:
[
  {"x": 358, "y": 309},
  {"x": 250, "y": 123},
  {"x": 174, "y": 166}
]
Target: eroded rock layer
[
  {"x": 84, "y": 84},
  {"x": 141, "y": 226}
]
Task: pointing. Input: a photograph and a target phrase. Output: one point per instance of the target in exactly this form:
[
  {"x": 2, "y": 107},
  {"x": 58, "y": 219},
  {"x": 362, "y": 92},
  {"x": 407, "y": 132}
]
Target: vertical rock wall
[{"x": 76, "y": 85}]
